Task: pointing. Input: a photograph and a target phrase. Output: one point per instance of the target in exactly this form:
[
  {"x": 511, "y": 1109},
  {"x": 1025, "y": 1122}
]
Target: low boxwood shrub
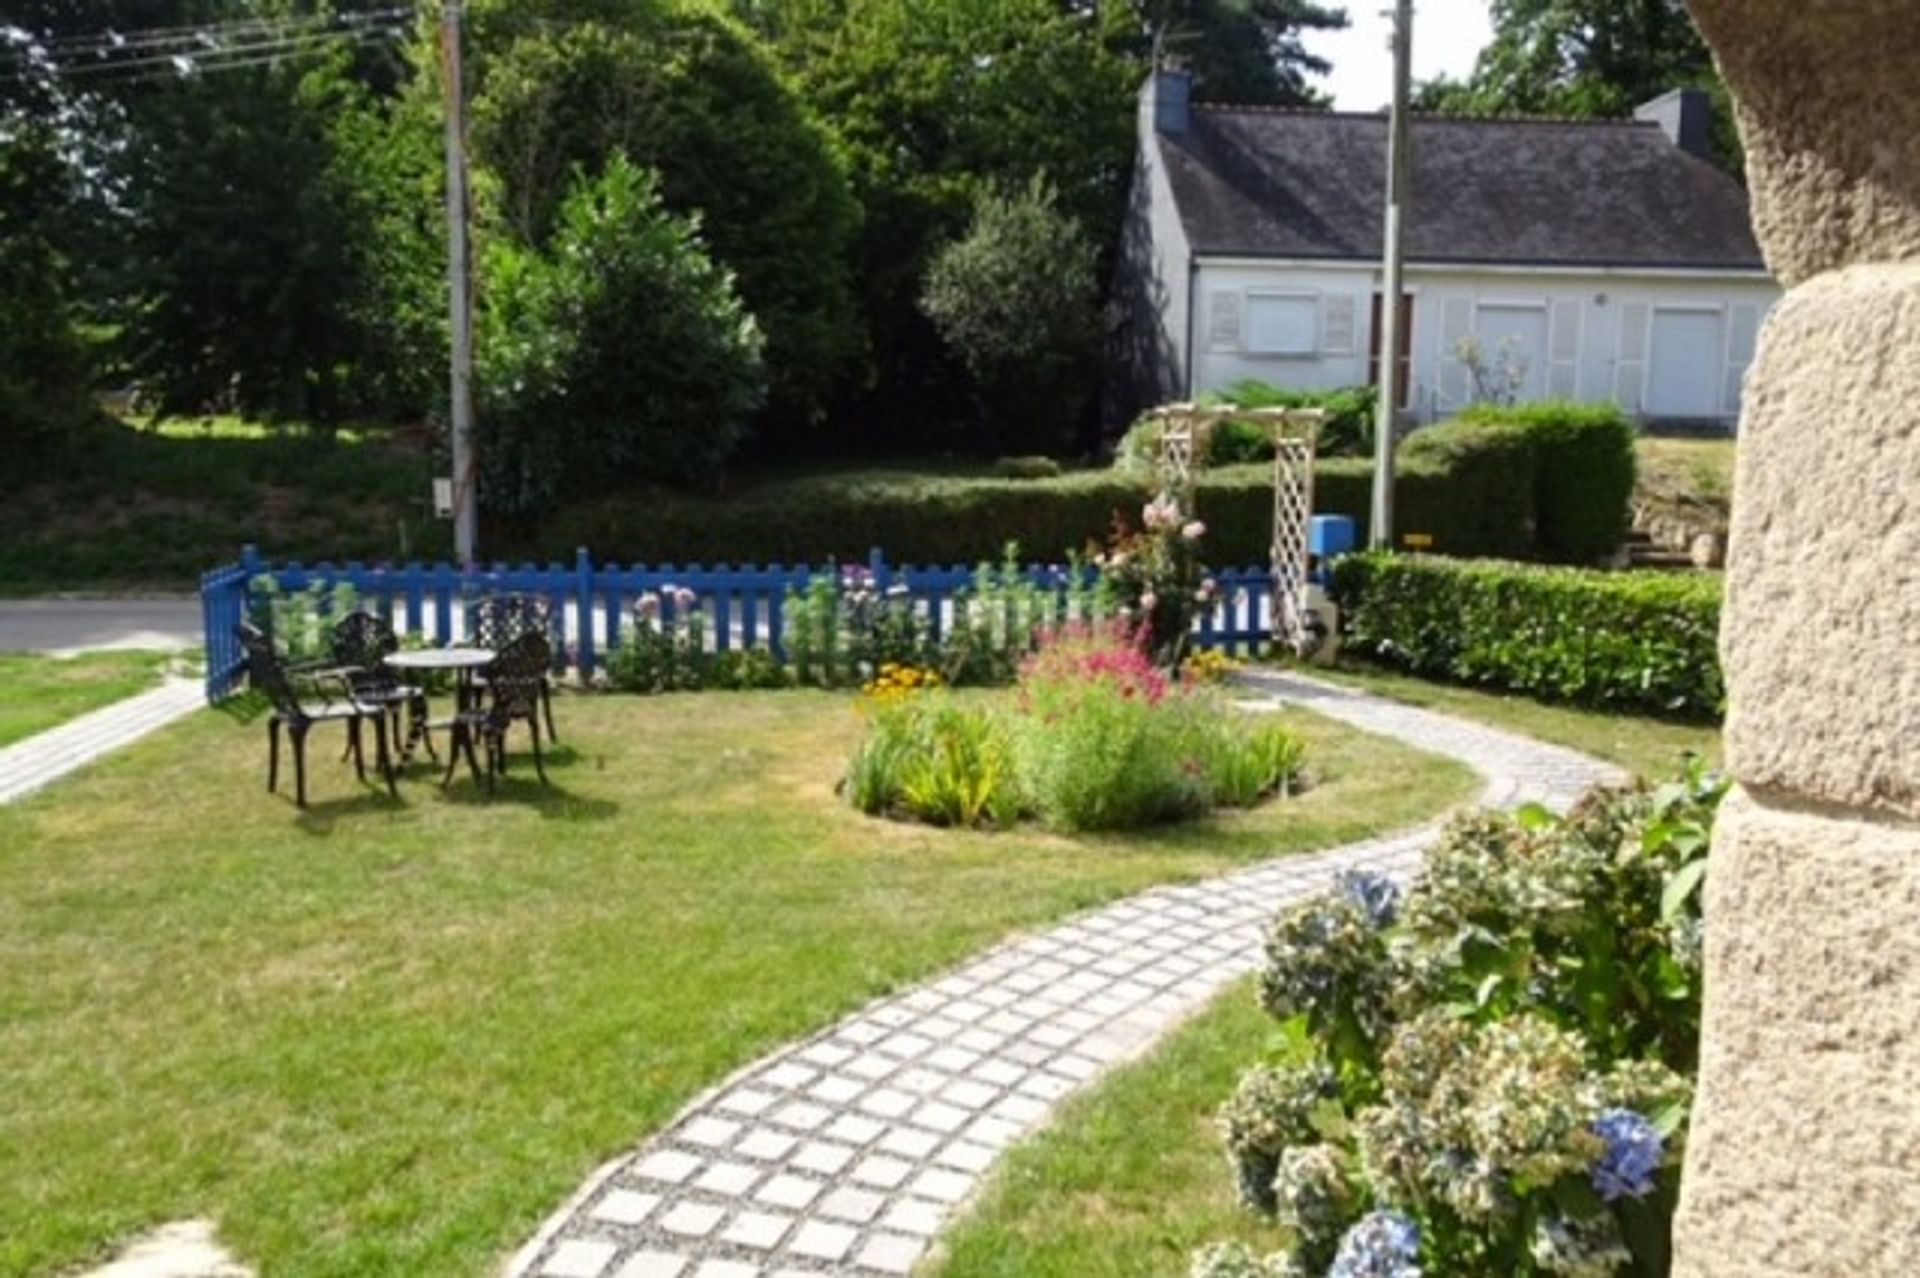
[
  {"x": 1610, "y": 640},
  {"x": 1583, "y": 473},
  {"x": 1492, "y": 1073},
  {"x": 1347, "y": 431}
]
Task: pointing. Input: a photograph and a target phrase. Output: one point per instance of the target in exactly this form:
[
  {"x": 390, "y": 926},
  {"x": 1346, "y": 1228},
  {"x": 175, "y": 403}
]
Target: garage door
[
  {"x": 1687, "y": 365},
  {"x": 1513, "y": 337}
]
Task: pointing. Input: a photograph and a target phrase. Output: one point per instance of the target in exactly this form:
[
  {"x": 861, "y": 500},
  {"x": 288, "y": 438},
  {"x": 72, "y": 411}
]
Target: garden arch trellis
[{"x": 1185, "y": 430}]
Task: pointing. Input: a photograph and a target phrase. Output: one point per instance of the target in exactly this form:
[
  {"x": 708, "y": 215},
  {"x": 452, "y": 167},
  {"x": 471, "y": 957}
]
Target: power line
[
  {"x": 206, "y": 60},
  {"x": 110, "y": 42}
]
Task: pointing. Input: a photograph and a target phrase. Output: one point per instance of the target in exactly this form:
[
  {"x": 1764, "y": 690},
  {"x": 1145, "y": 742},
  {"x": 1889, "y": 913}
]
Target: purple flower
[
  {"x": 1377, "y": 895},
  {"x": 1384, "y": 1244},
  {"x": 1635, "y": 1149}
]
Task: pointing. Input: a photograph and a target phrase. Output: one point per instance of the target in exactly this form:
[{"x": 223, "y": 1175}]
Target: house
[{"x": 1591, "y": 260}]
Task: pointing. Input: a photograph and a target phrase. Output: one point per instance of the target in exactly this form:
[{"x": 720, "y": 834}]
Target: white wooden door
[
  {"x": 1686, "y": 371},
  {"x": 1514, "y": 335}
]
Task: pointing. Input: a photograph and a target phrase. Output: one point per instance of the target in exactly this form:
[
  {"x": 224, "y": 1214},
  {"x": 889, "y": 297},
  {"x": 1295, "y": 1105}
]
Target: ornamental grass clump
[{"x": 1489, "y": 1073}]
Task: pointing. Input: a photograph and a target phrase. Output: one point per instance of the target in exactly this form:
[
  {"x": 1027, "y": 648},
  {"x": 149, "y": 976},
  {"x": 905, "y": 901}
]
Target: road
[{"x": 64, "y": 626}]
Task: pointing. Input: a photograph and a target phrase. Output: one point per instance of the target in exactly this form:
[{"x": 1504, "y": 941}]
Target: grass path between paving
[
  {"x": 39, "y": 692},
  {"x": 386, "y": 1039}
]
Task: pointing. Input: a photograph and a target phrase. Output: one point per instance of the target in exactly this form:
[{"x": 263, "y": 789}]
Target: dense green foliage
[
  {"x": 1017, "y": 300},
  {"x": 1347, "y": 431},
  {"x": 1632, "y": 641},
  {"x": 1583, "y": 473},
  {"x": 1247, "y": 51},
  {"x": 43, "y": 362},
  {"x": 562, "y": 414},
  {"x": 1098, "y": 739},
  {"x": 1588, "y": 59},
  {"x": 687, "y": 92},
  {"x": 1492, "y": 1073}
]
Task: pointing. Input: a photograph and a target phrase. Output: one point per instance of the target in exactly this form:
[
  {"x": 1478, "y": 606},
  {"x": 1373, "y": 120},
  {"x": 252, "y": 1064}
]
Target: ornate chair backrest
[
  {"x": 362, "y": 641},
  {"x": 266, "y": 674},
  {"x": 516, "y": 676},
  {"x": 500, "y": 619}
]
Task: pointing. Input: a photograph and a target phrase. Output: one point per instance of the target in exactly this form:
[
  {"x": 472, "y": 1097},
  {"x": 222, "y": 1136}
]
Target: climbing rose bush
[
  {"x": 1490, "y": 1073},
  {"x": 1158, "y": 582}
]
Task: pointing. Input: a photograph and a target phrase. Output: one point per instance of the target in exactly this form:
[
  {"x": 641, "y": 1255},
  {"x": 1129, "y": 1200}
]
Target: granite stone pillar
[{"x": 1804, "y": 1157}]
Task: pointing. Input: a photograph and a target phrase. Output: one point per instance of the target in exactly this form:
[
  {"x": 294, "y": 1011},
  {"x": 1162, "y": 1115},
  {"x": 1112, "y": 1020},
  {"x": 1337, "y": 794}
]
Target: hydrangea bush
[{"x": 1490, "y": 1073}]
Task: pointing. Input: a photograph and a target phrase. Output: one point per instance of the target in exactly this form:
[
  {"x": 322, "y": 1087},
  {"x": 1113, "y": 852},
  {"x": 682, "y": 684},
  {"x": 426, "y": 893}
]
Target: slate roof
[{"x": 1260, "y": 182}]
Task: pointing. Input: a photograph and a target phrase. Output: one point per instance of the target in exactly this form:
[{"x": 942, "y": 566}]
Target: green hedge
[
  {"x": 1583, "y": 473},
  {"x": 1639, "y": 641},
  {"x": 1466, "y": 498}
]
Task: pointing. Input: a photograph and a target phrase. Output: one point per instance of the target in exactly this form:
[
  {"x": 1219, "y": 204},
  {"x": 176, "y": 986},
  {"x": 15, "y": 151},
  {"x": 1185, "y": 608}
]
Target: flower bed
[
  {"x": 1096, "y": 738},
  {"x": 1492, "y": 1075}
]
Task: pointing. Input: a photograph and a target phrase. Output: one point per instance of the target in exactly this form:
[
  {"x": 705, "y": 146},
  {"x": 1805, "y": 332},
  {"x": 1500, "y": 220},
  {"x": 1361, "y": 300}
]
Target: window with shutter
[
  {"x": 1563, "y": 365},
  {"x": 1337, "y": 320},
  {"x": 1223, "y": 328},
  {"x": 1743, "y": 336},
  {"x": 1456, "y": 325},
  {"x": 1283, "y": 323}
]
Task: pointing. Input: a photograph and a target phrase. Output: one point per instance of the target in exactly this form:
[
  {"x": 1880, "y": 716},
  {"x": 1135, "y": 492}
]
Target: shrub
[
  {"x": 299, "y": 622},
  {"x": 1017, "y": 300},
  {"x": 1108, "y": 743},
  {"x": 1347, "y": 432},
  {"x": 1026, "y": 468},
  {"x": 1583, "y": 473},
  {"x": 567, "y": 410},
  {"x": 1101, "y": 740},
  {"x": 664, "y": 647},
  {"x": 682, "y": 89},
  {"x": 1638, "y": 641},
  {"x": 1158, "y": 582},
  {"x": 1491, "y": 1074},
  {"x": 1489, "y": 506}
]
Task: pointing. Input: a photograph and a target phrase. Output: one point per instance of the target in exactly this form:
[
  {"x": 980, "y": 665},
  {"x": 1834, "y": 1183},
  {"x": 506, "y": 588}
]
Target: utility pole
[
  {"x": 459, "y": 286},
  {"x": 1380, "y": 533}
]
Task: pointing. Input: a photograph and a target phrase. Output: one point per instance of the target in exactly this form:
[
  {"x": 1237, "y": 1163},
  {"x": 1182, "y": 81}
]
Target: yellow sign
[{"x": 1418, "y": 541}]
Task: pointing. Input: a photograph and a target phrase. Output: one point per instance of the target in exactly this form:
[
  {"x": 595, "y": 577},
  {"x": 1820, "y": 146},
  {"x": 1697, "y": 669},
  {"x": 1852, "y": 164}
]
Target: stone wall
[{"x": 1805, "y": 1153}]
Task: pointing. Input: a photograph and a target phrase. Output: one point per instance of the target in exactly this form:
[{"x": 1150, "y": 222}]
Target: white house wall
[{"x": 1599, "y": 329}]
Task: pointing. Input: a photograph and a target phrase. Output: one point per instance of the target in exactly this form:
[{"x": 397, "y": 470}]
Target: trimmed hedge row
[
  {"x": 1583, "y": 473},
  {"x": 1640, "y": 641},
  {"x": 1473, "y": 497}
]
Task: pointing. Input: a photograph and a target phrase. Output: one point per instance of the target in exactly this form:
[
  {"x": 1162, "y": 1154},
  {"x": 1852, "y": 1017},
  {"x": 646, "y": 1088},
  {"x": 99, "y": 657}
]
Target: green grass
[
  {"x": 150, "y": 508},
  {"x": 1687, "y": 472},
  {"x": 1131, "y": 1177},
  {"x": 1647, "y": 746},
  {"x": 39, "y": 692},
  {"x": 388, "y": 1039}
]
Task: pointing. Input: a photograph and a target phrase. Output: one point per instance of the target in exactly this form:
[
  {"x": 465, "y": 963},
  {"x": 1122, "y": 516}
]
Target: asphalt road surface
[{"x": 64, "y": 626}]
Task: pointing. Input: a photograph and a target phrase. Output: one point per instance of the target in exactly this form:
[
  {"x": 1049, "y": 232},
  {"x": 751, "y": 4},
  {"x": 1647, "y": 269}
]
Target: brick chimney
[{"x": 1685, "y": 116}]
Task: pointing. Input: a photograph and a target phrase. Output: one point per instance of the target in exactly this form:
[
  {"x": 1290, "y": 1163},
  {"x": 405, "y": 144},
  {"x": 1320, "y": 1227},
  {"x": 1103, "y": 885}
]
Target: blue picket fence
[{"x": 591, "y": 602}]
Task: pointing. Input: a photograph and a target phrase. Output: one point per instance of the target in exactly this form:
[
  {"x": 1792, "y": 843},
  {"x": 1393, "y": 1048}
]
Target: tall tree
[
  {"x": 1249, "y": 51},
  {"x": 1587, "y": 59}
]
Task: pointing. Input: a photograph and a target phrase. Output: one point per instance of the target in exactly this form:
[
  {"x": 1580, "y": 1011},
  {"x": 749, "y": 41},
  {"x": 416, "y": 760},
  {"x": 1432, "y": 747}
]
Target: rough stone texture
[
  {"x": 1805, "y": 1151},
  {"x": 849, "y": 1152},
  {"x": 1822, "y": 626},
  {"x": 1831, "y": 125}
]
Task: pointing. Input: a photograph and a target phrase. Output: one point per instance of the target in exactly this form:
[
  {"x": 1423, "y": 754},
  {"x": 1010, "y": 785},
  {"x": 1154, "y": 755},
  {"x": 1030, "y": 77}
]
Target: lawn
[
  {"x": 38, "y": 692},
  {"x": 1647, "y": 746},
  {"x": 1132, "y": 1176},
  {"x": 1687, "y": 473},
  {"x": 388, "y": 1039}
]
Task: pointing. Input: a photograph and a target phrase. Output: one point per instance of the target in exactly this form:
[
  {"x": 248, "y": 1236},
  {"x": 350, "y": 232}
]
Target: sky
[{"x": 1447, "y": 34}]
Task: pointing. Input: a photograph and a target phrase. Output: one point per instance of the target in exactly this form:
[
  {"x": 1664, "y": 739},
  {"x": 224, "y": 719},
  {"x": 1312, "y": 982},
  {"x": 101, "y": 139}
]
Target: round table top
[{"x": 439, "y": 658}]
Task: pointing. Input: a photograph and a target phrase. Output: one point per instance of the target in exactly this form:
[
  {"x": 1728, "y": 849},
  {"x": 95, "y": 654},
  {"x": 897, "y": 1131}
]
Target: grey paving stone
[{"x": 896, "y": 1114}]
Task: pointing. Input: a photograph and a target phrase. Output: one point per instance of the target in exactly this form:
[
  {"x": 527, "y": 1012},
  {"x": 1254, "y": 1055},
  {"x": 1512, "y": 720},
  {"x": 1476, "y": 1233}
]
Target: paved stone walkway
[
  {"x": 846, "y": 1153},
  {"x": 47, "y": 756}
]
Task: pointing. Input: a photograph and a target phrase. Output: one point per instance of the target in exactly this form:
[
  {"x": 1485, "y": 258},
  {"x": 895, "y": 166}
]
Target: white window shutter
[
  {"x": 1743, "y": 336},
  {"x": 1337, "y": 316},
  {"x": 1630, "y": 365},
  {"x": 1223, "y": 328},
  {"x": 1456, "y": 325},
  {"x": 1563, "y": 362}
]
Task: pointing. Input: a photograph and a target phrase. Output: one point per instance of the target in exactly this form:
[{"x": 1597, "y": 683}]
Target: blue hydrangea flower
[
  {"x": 1384, "y": 1244},
  {"x": 1377, "y": 895},
  {"x": 1627, "y": 1166}
]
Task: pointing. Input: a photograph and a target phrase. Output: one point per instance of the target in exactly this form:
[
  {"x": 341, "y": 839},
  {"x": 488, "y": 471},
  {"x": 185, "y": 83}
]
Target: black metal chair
[
  {"x": 516, "y": 680},
  {"x": 269, "y": 675},
  {"x": 361, "y": 642},
  {"x": 498, "y": 620}
]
